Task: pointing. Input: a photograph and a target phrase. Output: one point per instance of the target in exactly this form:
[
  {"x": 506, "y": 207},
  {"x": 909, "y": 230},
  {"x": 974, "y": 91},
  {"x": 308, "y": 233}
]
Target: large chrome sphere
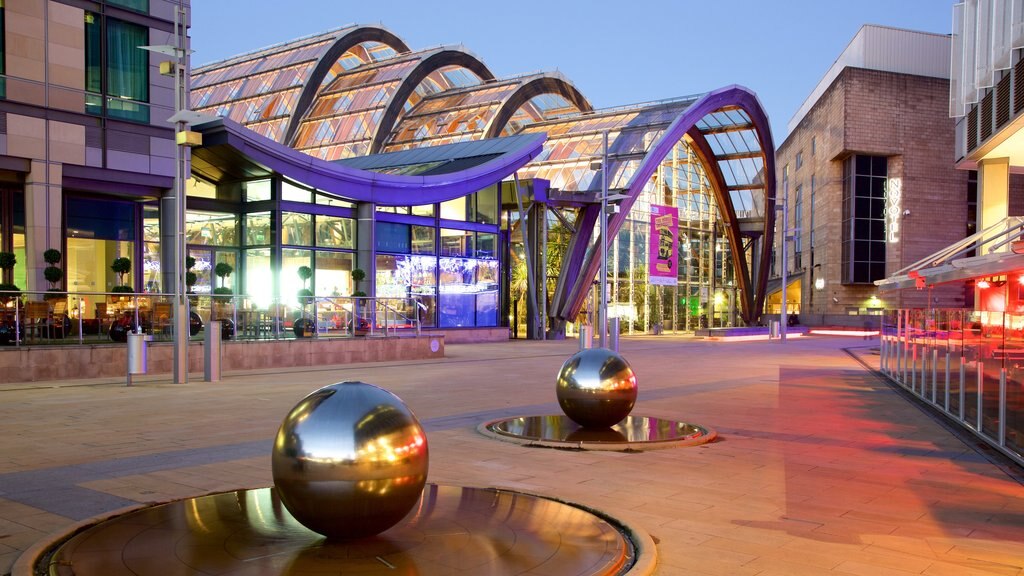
[
  {"x": 596, "y": 388},
  {"x": 350, "y": 460}
]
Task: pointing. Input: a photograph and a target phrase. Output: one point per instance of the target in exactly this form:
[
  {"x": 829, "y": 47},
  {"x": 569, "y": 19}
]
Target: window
[
  {"x": 116, "y": 68},
  {"x": 137, "y": 5},
  {"x": 98, "y": 231},
  {"x": 814, "y": 145},
  {"x": 972, "y": 206},
  {"x": 3, "y": 53},
  {"x": 864, "y": 179},
  {"x": 799, "y": 159},
  {"x": 798, "y": 218},
  {"x": 813, "y": 192}
]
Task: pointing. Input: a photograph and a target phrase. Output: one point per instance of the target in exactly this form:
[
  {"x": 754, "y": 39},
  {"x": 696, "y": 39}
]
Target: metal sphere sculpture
[
  {"x": 350, "y": 460},
  {"x": 596, "y": 388}
]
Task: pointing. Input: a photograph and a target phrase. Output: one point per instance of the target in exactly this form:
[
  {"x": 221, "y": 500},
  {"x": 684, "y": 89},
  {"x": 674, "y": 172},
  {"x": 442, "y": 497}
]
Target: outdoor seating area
[{"x": 92, "y": 318}]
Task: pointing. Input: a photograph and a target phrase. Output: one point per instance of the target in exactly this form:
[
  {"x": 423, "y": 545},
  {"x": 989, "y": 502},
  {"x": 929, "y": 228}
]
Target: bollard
[
  {"x": 136, "y": 354},
  {"x": 211, "y": 352},
  {"x": 613, "y": 334},
  {"x": 586, "y": 337},
  {"x": 774, "y": 330}
]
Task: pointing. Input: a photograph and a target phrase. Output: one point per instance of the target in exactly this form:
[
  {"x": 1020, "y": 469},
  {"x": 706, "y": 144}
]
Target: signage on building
[
  {"x": 893, "y": 209},
  {"x": 663, "y": 258}
]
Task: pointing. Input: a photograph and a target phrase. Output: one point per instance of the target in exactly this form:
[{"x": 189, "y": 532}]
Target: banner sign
[{"x": 664, "y": 246}]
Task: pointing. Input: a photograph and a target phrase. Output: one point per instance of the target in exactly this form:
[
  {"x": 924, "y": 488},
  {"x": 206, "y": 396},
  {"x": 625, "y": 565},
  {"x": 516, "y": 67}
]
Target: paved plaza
[{"x": 820, "y": 467}]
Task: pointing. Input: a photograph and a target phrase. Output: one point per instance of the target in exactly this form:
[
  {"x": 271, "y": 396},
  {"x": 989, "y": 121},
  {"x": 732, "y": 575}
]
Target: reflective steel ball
[
  {"x": 596, "y": 388},
  {"x": 350, "y": 460}
]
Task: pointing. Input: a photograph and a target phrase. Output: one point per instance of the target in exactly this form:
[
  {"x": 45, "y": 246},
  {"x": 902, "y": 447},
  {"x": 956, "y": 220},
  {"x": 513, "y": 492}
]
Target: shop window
[
  {"x": 116, "y": 68},
  {"x": 98, "y": 231},
  {"x": 291, "y": 283},
  {"x": 333, "y": 273},
  {"x": 468, "y": 292},
  {"x": 402, "y": 276},
  {"x": 151, "y": 249},
  {"x": 259, "y": 282}
]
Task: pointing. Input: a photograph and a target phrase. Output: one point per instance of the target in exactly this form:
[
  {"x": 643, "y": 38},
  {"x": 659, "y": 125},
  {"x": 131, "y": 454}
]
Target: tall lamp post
[
  {"x": 178, "y": 67},
  {"x": 602, "y": 311}
]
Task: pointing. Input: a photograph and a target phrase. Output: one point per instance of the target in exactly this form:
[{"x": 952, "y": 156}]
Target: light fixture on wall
[{"x": 983, "y": 284}]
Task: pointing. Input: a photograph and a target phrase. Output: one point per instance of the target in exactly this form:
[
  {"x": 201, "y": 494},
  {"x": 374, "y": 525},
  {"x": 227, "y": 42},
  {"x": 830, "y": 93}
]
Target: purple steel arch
[
  {"x": 363, "y": 185},
  {"x": 729, "y": 96}
]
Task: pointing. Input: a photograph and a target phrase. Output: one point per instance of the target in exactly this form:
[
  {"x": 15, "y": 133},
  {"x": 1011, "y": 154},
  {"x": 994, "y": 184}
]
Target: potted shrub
[
  {"x": 221, "y": 295},
  {"x": 8, "y": 292},
  {"x": 7, "y": 262},
  {"x": 360, "y": 325},
  {"x": 122, "y": 266},
  {"x": 53, "y": 274},
  {"x": 304, "y": 326},
  {"x": 195, "y": 322},
  {"x": 223, "y": 270}
]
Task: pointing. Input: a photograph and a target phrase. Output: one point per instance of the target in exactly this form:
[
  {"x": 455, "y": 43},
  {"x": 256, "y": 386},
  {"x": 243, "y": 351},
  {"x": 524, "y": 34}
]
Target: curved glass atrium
[{"x": 357, "y": 91}]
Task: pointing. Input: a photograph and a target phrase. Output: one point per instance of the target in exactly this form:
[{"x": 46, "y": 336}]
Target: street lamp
[
  {"x": 179, "y": 68},
  {"x": 602, "y": 165}
]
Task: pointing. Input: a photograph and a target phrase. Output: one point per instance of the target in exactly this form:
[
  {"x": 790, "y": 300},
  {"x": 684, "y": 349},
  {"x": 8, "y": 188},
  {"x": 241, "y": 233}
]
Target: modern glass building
[{"x": 482, "y": 194}]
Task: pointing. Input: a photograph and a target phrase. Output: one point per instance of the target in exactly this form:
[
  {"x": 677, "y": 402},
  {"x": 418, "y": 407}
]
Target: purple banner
[{"x": 664, "y": 246}]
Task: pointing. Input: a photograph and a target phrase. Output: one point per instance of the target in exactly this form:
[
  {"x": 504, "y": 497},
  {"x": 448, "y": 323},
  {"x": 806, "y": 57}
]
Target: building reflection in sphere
[
  {"x": 596, "y": 388},
  {"x": 350, "y": 460}
]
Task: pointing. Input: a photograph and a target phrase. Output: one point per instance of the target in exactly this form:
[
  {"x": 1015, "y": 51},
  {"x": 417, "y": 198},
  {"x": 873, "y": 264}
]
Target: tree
[
  {"x": 52, "y": 273},
  {"x": 7, "y": 263}
]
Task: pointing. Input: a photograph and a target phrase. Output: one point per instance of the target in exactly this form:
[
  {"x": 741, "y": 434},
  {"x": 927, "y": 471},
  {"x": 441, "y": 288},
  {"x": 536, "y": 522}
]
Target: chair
[
  {"x": 37, "y": 316},
  {"x": 161, "y": 319},
  {"x": 59, "y": 325}
]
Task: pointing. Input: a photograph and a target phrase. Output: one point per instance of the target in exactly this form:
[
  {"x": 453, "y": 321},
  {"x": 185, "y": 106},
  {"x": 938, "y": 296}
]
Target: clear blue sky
[{"x": 615, "y": 52}]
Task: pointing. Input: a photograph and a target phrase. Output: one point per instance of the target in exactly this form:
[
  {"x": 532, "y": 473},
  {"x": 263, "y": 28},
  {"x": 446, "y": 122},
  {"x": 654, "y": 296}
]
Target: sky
[{"x": 615, "y": 52}]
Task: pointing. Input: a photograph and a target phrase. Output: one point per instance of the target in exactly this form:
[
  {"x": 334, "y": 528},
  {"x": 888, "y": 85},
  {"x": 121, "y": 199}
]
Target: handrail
[{"x": 153, "y": 312}]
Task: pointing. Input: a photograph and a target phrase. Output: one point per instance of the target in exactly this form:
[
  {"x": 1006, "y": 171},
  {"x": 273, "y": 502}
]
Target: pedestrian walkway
[{"x": 820, "y": 468}]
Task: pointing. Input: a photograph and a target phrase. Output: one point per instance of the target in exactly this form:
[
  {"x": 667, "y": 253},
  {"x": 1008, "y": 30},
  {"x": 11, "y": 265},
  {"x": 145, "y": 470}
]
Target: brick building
[{"x": 868, "y": 174}]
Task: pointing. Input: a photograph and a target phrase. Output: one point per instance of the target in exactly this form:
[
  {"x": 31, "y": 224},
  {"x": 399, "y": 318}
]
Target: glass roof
[
  {"x": 574, "y": 142},
  {"x": 460, "y": 115},
  {"x": 260, "y": 90},
  {"x": 633, "y": 131},
  {"x": 346, "y": 114}
]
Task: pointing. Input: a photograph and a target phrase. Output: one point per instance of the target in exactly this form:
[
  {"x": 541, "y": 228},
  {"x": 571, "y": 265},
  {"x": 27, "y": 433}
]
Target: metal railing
[
  {"x": 967, "y": 364},
  {"x": 47, "y": 318}
]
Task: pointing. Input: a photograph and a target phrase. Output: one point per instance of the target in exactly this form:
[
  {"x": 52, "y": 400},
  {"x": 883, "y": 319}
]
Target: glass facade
[{"x": 864, "y": 181}]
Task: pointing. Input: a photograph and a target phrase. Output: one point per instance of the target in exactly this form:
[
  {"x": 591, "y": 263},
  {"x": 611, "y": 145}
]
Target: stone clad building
[{"x": 868, "y": 173}]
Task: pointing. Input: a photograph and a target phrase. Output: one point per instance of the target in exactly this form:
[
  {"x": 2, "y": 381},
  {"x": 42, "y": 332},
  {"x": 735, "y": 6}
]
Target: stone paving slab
[{"x": 820, "y": 467}]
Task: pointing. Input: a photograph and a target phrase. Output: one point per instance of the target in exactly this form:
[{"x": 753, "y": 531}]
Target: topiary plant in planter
[
  {"x": 223, "y": 270},
  {"x": 53, "y": 274},
  {"x": 190, "y": 277},
  {"x": 304, "y": 326},
  {"x": 7, "y": 262},
  {"x": 121, "y": 266}
]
